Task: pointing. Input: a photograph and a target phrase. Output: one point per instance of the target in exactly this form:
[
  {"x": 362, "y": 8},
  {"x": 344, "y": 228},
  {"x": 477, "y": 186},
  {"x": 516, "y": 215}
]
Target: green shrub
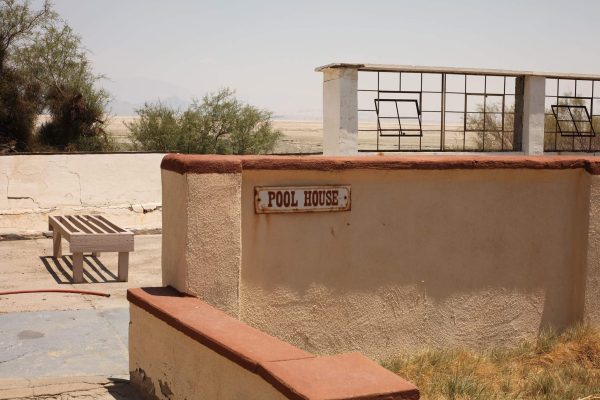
[
  {"x": 219, "y": 124},
  {"x": 19, "y": 106},
  {"x": 45, "y": 69}
]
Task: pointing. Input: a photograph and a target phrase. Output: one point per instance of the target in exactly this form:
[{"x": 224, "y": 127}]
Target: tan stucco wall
[
  {"x": 177, "y": 367},
  {"x": 174, "y": 230},
  {"x": 120, "y": 186},
  {"x": 203, "y": 256},
  {"x": 591, "y": 292},
  {"x": 441, "y": 258}
]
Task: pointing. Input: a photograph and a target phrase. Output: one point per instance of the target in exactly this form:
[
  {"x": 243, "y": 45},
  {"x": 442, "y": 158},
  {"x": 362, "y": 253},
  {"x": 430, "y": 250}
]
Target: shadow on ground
[
  {"x": 120, "y": 389},
  {"x": 94, "y": 271}
]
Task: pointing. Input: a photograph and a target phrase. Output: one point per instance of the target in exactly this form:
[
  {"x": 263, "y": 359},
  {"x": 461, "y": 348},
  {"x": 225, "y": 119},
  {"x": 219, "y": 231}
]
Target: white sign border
[{"x": 258, "y": 210}]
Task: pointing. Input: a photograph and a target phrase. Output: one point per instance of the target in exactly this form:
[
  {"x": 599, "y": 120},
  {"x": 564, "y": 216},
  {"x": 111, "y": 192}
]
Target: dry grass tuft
[{"x": 551, "y": 367}]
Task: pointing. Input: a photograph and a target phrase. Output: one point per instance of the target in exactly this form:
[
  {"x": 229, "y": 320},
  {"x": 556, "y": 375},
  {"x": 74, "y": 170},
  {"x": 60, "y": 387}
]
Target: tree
[
  {"x": 20, "y": 24},
  {"x": 494, "y": 132},
  {"x": 20, "y": 98},
  {"x": 57, "y": 61},
  {"x": 556, "y": 138},
  {"x": 44, "y": 68},
  {"x": 19, "y": 107},
  {"x": 219, "y": 124},
  {"x": 159, "y": 128}
]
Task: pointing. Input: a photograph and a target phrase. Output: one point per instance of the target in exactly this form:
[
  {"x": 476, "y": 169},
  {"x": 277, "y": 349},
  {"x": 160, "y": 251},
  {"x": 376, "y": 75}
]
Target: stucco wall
[
  {"x": 591, "y": 278},
  {"x": 202, "y": 236},
  {"x": 434, "y": 252},
  {"x": 182, "y": 348},
  {"x": 170, "y": 365},
  {"x": 174, "y": 227},
  {"x": 442, "y": 258},
  {"x": 123, "y": 187}
]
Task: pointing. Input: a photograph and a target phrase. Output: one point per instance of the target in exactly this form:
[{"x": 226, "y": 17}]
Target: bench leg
[
  {"x": 96, "y": 254},
  {"x": 77, "y": 267},
  {"x": 123, "y": 266},
  {"x": 56, "y": 244}
]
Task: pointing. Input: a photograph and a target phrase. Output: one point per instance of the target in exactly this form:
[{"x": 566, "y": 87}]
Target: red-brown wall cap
[
  {"x": 293, "y": 372},
  {"x": 203, "y": 164},
  {"x": 343, "y": 376},
  {"x": 213, "y": 328}
]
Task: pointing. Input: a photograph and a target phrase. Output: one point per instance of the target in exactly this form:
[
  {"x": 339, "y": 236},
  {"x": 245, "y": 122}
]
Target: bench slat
[
  {"x": 86, "y": 233},
  {"x": 113, "y": 225},
  {"x": 86, "y": 223},
  {"x": 55, "y": 223},
  {"x": 68, "y": 225},
  {"x": 75, "y": 221},
  {"x": 100, "y": 224}
]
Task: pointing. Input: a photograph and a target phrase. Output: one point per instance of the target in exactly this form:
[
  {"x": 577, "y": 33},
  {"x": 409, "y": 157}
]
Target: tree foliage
[
  {"x": 561, "y": 135},
  {"x": 20, "y": 24},
  {"x": 20, "y": 98},
  {"x": 46, "y": 70},
  {"x": 492, "y": 135},
  {"x": 57, "y": 61},
  {"x": 495, "y": 131},
  {"x": 220, "y": 124}
]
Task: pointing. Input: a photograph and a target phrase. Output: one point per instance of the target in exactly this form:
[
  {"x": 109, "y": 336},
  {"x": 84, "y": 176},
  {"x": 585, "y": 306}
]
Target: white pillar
[
  {"x": 534, "y": 96},
  {"x": 340, "y": 111}
]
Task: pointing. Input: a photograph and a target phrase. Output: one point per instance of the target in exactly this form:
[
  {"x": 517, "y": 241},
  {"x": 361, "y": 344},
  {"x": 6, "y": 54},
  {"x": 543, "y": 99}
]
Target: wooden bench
[{"x": 90, "y": 233}]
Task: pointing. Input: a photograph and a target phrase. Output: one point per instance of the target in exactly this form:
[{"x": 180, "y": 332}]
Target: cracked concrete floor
[{"x": 66, "y": 346}]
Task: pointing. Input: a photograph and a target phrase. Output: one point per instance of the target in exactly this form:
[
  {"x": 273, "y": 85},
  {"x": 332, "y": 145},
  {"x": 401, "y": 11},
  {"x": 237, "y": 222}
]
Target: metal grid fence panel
[
  {"x": 572, "y": 115},
  {"x": 419, "y": 111}
]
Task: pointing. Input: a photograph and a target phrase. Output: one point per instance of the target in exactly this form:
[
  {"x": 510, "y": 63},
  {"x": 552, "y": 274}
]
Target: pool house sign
[{"x": 299, "y": 199}]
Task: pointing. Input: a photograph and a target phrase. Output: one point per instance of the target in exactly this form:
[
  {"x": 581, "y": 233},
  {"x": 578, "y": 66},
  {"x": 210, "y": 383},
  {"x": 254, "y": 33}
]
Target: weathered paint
[
  {"x": 123, "y": 187},
  {"x": 161, "y": 357},
  {"x": 301, "y": 199},
  {"x": 293, "y": 373}
]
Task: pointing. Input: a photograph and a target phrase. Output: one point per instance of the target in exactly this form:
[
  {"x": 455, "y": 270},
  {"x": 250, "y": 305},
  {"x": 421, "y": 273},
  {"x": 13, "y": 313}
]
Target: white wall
[{"x": 119, "y": 186}]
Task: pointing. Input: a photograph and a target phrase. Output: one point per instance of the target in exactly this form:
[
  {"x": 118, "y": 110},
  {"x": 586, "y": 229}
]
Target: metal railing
[
  {"x": 416, "y": 111},
  {"x": 395, "y": 108},
  {"x": 572, "y": 115}
]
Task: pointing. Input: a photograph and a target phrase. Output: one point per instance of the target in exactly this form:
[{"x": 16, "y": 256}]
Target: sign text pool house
[{"x": 301, "y": 199}]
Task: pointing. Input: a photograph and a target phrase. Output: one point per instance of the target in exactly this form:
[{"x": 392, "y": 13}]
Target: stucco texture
[
  {"x": 591, "y": 278},
  {"x": 174, "y": 230},
  {"x": 124, "y": 187},
  {"x": 202, "y": 236},
  {"x": 179, "y": 367},
  {"x": 424, "y": 258}
]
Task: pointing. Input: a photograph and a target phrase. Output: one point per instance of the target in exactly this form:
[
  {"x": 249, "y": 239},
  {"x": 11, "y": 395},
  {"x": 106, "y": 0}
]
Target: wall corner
[
  {"x": 174, "y": 229},
  {"x": 591, "y": 279}
]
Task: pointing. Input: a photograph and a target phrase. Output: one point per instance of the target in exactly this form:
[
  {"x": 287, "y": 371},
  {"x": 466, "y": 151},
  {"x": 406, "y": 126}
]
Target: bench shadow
[{"x": 94, "y": 271}]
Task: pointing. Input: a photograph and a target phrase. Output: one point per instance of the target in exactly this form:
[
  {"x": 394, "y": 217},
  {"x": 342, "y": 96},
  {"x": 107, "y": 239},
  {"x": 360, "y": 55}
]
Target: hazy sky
[{"x": 267, "y": 50}]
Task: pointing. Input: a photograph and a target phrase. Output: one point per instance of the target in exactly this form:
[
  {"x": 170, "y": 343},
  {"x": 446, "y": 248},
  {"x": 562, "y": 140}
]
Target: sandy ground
[
  {"x": 67, "y": 346},
  {"x": 28, "y": 264}
]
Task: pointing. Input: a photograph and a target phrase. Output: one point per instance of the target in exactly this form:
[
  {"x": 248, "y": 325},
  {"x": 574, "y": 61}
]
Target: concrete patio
[{"x": 57, "y": 345}]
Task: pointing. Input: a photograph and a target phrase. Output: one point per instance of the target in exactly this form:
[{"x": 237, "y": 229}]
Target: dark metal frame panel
[
  {"x": 555, "y": 138},
  {"x": 500, "y": 136}
]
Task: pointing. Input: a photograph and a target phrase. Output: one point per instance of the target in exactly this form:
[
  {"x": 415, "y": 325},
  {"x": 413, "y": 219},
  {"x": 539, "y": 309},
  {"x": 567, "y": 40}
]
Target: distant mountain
[
  {"x": 309, "y": 114},
  {"x": 126, "y": 108},
  {"x": 129, "y": 94}
]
